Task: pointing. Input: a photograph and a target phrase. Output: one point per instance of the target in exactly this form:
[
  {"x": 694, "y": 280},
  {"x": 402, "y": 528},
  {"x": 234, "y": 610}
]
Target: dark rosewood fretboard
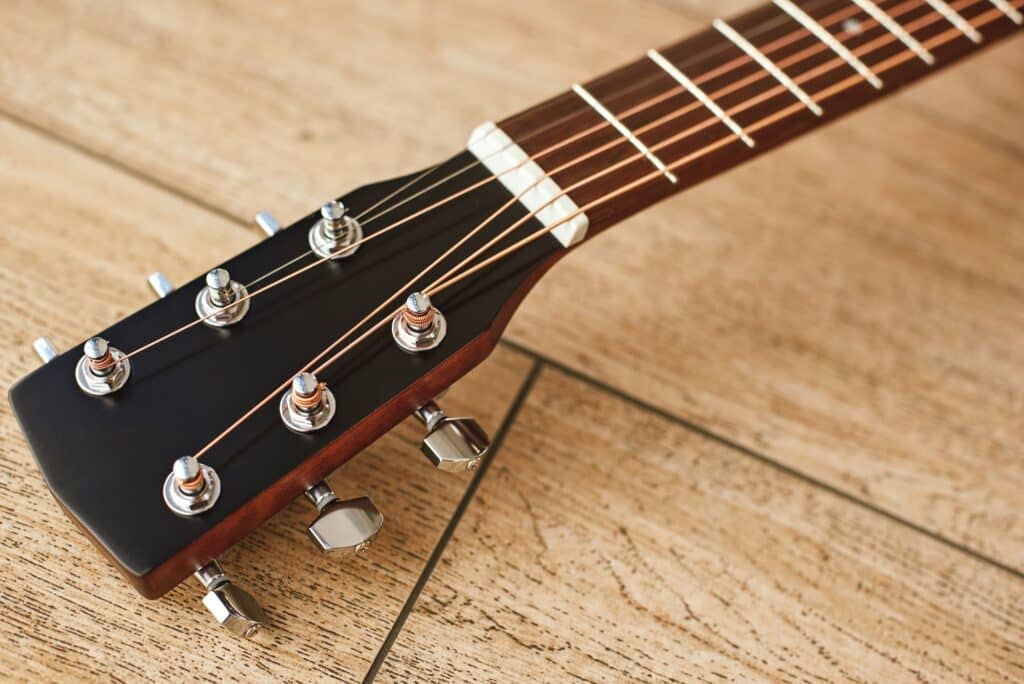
[{"x": 656, "y": 108}]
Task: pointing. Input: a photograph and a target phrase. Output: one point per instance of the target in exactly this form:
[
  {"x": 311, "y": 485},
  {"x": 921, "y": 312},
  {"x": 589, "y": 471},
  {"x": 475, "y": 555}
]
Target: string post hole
[
  {"x": 191, "y": 487},
  {"x": 419, "y": 326},
  {"x": 308, "y": 405},
  {"x": 102, "y": 369},
  {"x": 335, "y": 235},
  {"x": 223, "y": 301}
]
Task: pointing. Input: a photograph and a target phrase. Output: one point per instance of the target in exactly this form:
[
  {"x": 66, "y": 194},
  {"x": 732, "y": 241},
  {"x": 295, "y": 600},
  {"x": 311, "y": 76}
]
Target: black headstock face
[{"x": 105, "y": 459}]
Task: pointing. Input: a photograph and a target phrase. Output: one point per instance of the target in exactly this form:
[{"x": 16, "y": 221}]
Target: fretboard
[{"x": 691, "y": 110}]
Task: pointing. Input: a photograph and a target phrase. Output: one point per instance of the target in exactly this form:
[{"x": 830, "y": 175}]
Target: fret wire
[
  {"x": 894, "y": 27},
  {"x": 1009, "y": 10},
  {"x": 696, "y": 91},
  {"x": 956, "y": 19},
  {"x": 824, "y": 36},
  {"x": 768, "y": 65},
  {"x": 624, "y": 130}
]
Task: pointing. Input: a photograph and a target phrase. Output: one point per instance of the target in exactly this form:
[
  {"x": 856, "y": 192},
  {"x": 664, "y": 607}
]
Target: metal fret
[
  {"x": 891, "y": 25},
  {"x": 695, "y": 90},
  {"x": 626, "y": 133},
  {"x": 1009, "y": 10},
  {"x": 768, "y": 65},
  {"x": 824, "y": 36},
  {"x": 953, "y": 17}
]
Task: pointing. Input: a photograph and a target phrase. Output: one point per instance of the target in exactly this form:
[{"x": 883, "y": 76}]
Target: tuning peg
[
  {"x": 452, "y": 444},
  {"x": 267, "y": 223},
  {"x": 160, "y": 284},
  {"x": 343, "y": 527},
  {"x": 234, "y": 608},
  {"x": 44, "y": 349}
]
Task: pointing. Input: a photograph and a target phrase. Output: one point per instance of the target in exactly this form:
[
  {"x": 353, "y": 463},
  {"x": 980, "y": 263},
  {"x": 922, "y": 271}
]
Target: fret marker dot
[{"x": 852, "y": 26}]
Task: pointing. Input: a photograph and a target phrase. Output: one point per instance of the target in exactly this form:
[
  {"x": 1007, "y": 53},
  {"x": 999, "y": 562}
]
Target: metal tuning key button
[
  {"x": 44, "y": 349},
  {"x": 223, "y": 301},
  {"x": 234, "y": 608},
  {"x": 191, "y": 487},
  {"x": 308, "y": 405},
  {"x": 452, "y": 444},
  {"x": 102, "y": 369},
  {"x": 267, "y": 223},
  {"x": 335, "y": 234},
  {"x": 160, "y": 283},
  {"x": 342, "y": 527},
  {"x": 419, "y": 326}
]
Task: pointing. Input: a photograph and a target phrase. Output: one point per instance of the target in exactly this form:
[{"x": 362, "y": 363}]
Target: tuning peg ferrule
[
  {"x": 308, "y": 406},
  {"x": 335, "y": 235},
  {"x": 223, "y": 301},
  {"x": 342, "y": 527},
  {"x": 103, "y": 369},
  {"x": 267, "y": 223},
  {"x": 419, "y": 326},
  {"x": 234, "y": 608},
  {"x": 160, "y": 283},
  {"x": 191, "y": 487},
  {"x": 452, "y": 444}
]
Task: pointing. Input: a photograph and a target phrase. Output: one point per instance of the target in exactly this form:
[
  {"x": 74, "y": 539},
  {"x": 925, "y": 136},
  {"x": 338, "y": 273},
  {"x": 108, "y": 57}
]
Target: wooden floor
[{"x": 788, "y": 446}]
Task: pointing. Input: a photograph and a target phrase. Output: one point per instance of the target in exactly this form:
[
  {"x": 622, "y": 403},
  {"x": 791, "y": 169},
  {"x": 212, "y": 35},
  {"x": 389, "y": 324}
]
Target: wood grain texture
[
  {"x": 683, "y": 559},
  {"x": 849, "y": 306},
  {"x": 67, "y": 613}
]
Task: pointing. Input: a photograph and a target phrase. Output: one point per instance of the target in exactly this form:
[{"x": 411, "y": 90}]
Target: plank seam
[
  {"x": 121, "y": 167},
  {"x": 453, "y": 522},
  {"x": 756, "y": 455}
]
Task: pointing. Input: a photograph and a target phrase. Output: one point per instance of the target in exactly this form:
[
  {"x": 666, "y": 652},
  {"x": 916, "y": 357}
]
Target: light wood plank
[
  {"x": 78, "y": 240},
  {"x": 609, "y": 544}
]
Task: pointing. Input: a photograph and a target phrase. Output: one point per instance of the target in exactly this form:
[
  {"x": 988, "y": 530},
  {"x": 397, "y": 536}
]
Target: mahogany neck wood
[{"x": 653, "y": 104}]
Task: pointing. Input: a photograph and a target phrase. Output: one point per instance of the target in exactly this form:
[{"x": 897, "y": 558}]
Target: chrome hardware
[
  {"x": 44, "y": 349},
  {"x": 308, "y": 405},
  {"x": 160, "y": 284},
  {"x": 419, "y": 326},
  {"x": 102, "y": 368},
  {"x": 191, "y": 488},
  {"x": 452, "y": 444},
  {"x": 334, "y": 234},
  {"x": 343, "y": 527},
  {"x": 234, "y": 608},
  {"x": 267, "y": 223},
  {"x": 219, "y": 298}
]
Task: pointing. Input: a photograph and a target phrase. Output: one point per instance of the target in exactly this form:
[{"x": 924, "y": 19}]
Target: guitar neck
[{"x": 691, "y": 110}]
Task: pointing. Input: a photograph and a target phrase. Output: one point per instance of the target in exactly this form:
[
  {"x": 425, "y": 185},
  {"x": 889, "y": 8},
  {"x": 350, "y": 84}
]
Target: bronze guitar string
[
  {"x": 449, "y": 279},
  {"x": 774, "y": 45}
]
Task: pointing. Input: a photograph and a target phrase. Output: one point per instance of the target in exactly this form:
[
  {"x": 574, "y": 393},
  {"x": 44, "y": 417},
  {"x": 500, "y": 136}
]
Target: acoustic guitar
[{"x": 324, "y": 336}]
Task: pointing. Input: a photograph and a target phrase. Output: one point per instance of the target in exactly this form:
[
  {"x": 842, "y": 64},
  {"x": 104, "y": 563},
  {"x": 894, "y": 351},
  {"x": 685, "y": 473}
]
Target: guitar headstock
[{"x": 109, "y": 432}]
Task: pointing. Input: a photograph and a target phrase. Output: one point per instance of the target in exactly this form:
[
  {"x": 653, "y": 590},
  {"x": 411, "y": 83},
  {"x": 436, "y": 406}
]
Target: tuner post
[
  {"x": 191, "y": 487},
  {"x": 102, "y": 369},
  {"x": 223, "y": 301},
  {"x": 308, "y": 405},
  {"x": 419, "y": 326},
  {"x": 336, "y": 234}
]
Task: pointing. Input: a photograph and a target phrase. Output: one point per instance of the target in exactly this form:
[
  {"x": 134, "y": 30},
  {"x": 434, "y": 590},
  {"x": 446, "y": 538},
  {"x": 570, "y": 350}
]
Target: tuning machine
[
  {"x": 267, "y": 223},
  {"x": 234, "y": 608},
  {"x": 342, "y": 527},
  {"x": 451, "y": 444},
  {"x": 44, "y": 349}
]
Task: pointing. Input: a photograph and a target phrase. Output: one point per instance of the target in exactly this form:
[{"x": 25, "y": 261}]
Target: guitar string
[
  {"x": 358, "y": 216},
  {"x": 448, "y": 279},
  {"x": 757, "y": 76},
  {"x": 769, "y": 48}
]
